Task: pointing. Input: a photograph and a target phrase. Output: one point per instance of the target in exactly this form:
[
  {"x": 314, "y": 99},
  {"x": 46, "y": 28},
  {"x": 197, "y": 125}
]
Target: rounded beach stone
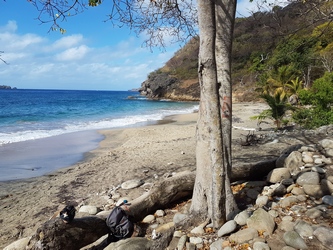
[
  {"x": 278, "y": 174},
  {"x": 132, "y": 184},
  {"x": 92, "y": 210},
  {"x": 160, "y": 213},
  {"x": 262, "y": 200},
  {"x": 241, "y": 218},
  {"x": 228, "y": 227},
  {"x": 293, "y": 239},
  {"x": 325, "y": 236},
  {"x": 261, "y": 220},
  {"x": 303, "y": 228},
  {"x": 328, "y": 199},
  {"x": 260, "y": 246},
  {"x": 244, "y": 235},
  {"x": 149, "y": 218},
  {"x": 309, "y": 178}
]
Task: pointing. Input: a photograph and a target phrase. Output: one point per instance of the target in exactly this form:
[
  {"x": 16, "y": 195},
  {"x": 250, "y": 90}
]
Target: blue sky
[{"x": 91, "y": 55}]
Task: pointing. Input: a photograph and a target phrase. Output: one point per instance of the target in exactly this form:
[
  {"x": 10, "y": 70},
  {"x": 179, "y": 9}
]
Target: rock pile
[
  {"x": 291, "y": 209},
  {"x": 294, "y": 210}
]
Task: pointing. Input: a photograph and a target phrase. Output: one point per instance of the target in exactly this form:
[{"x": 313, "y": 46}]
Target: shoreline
[{"x": 143, "y": 152}]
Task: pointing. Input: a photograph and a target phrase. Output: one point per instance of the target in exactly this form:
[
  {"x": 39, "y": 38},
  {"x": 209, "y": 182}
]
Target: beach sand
[{"x": 146, "y": 153}]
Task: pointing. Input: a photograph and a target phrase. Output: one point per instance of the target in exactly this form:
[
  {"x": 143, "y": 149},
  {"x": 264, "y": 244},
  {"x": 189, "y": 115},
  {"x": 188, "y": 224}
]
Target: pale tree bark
[
  {"x": 208, "y": 197},
  {"x": 225, "y": 18}
]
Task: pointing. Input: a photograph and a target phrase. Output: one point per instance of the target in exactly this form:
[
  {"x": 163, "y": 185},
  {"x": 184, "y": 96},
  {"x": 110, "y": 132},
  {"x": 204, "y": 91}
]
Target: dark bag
[
  {"x": 67, "y": 214},
  {"x": 119, "y": 224}
]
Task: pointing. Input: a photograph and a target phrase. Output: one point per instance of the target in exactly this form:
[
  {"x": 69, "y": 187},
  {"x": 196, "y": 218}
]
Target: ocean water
[{"x": 38, "y": 127}]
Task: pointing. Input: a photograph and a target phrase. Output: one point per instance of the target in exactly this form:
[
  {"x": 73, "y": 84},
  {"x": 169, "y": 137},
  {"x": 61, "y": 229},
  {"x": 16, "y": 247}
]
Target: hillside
[{"x": 296, "y": 37}]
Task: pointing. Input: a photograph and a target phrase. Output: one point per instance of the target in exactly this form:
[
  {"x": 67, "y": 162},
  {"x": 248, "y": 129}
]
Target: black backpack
[
  {"x": 119, "y": 224},
  {"x": 67, "y": 214}
]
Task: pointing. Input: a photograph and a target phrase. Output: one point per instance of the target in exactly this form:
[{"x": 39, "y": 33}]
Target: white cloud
[
  {"x": 73, "y": 54},
  {"x": 11, "y": 26},
  {"x": 67, "y": 42},
  {"x": 69, "y": 63}
]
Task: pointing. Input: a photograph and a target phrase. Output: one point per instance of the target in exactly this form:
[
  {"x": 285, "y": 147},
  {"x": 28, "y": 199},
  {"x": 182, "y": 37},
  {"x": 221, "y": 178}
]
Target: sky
[{"x": 91, "y": 55}]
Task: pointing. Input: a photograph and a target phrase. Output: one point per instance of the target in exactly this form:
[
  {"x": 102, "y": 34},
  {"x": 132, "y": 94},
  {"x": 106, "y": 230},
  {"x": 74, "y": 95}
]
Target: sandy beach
[{"x": 145, "y": 153}]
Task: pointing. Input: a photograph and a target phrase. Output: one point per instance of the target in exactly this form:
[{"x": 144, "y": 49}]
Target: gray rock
[
  {"x": 148, "y": 219},
  {"x": 261, "y": 220},
  {"x": 288, "y": 201},
  {"x": 261, "y": 200},
  {"x": 313, "y": 213},
  {"x": 287, "y": 182},
  {"x": 228, "y": 227},
  {"x": 286, "y": 225},
  {"x": 298, "y": 209},
  {"x": 303, "y": 229},
  {"x": 326, "y": 143},
  {"x": 307, "y": 157},
  {"x": 198, "y": 230},
  {"x": 260, "y": 246},
  {"x": 252, "y": 193},
  {"x": 280, "y": 190},
  {"x": 297, "y": 191},
  {"x": 196, "y": 240},
  {"x": 280, "y": 162},
  {"x": 216, "y": 245},
  {"x": 92, "y": 210},
  {"x": 328, "y": 199},
  {"x": 325, "y": 236},
  {"x": 327, "y": 186},
  {"x": 319, "y": 170},
  {"x": 294, "y": 162},
  {"x": 287, "y": 248},
  {"x": 242, "y": 217},
  {"x": 293, "y": 239},
  {"x": 160, "y": 213},
  {"x": 20, "y": 244},
  {"x": 329, "y": 152},
  {"x": 182, "y": 242},
  {"x": 135, "y": 243},
  {"x": 309, "y": 178},
  {"x": 313, "y": 190},
  {"x": 244, "y": 235},
  {"x": 278, "y": 174},
  {"x": 178, "y": 218},
  {"x": 131, "y": 184}
]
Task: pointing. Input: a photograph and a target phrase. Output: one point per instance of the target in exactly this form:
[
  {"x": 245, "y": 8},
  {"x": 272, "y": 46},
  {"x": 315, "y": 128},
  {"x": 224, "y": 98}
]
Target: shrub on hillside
[{"x": 319, "y": 99}]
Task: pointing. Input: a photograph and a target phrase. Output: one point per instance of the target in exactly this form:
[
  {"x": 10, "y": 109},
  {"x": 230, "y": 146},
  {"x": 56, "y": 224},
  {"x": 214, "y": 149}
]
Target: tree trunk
[
  {"x": 208, "y": 196},
  {"x": 225, "y": 17}
]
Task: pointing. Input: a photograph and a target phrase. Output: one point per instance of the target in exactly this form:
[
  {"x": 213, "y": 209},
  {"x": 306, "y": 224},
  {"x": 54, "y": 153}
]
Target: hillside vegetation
[{"x": 283, "y": 57}]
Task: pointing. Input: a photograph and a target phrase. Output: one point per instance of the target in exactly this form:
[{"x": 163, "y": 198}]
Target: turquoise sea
[{"x": 44, "y": 130}]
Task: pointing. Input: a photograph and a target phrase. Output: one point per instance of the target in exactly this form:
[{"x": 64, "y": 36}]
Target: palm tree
[{"x": 278, "y": 103}]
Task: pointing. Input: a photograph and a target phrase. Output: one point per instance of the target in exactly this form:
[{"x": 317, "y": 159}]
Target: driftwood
[
  {"x": 57, "y": 235},
  {"x": 252, "y": 171},
  {"x": 163, "y": 194}
]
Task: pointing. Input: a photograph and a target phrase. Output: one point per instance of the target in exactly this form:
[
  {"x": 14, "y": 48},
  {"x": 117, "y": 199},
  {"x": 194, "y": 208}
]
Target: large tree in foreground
[{"x": 212, "y": 197}]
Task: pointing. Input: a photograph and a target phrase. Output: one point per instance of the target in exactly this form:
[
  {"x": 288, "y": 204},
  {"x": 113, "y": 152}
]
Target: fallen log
[
  {"x": 57, "y": 235},
  {"x": 252, "y": 171},
  {"x": 163, "y": 194}
]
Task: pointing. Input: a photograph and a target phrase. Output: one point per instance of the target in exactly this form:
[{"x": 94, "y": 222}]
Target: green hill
[{"x": 281, "y": 45}]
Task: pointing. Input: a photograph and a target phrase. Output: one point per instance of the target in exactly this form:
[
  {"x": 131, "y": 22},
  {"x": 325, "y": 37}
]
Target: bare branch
[
  {"x": 159, "y": 20},
  {"x": 1, "y": 52}
]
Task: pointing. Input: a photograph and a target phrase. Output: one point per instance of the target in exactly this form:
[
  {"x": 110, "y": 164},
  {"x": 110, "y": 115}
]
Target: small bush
[{"x": 320, "y": 100}]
